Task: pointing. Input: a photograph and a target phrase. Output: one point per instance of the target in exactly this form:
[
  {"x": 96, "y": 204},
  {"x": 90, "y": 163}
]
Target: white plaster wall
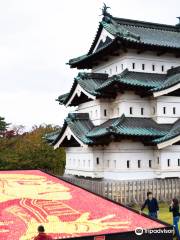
[
  {"x": 123, "y": 102},
  {"x": 82, "y": 161},
  {"x": 168, "y": 102},
  {"x": 96, "y": 108},
  {"x": 116, "y": 65},
  {"x": 116, "y": 107},
  {"x": 152, "y": 108}
]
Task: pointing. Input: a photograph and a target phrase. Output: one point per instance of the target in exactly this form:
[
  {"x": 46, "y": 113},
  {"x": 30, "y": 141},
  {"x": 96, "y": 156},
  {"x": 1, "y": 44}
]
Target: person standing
[
  {"x": 152, "y": 205},
  {"x": 174, "y": 208},
  {"x": 42, "y": 235}
]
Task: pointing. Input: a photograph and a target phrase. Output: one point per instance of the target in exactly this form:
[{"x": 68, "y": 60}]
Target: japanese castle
[{"x": 126, "y": 124}]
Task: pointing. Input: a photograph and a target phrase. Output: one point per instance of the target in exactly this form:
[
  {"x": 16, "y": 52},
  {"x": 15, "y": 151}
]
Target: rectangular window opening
[
  {"x": 131, "y": 110},
  {"x": 164, "y": 110},
  {"x": 178, "y": 162},
  {"x": 168, "y": 162},
  {"x": 174, "y": 110},
  {"x": 139, "y": 163},
  {"x": 150, "y": 163},
  {"x": 97, "y": 161}
]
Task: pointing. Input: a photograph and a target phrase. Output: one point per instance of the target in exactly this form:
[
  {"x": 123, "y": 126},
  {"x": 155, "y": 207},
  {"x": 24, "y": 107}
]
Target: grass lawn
[{"x": 164, "y": 213}]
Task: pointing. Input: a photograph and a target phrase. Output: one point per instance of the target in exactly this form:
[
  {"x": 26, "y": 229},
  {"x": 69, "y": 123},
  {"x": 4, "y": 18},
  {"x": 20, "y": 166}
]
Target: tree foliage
[
  {"x": 30, "y": 151},
  {"x": 3, "y": 125}
]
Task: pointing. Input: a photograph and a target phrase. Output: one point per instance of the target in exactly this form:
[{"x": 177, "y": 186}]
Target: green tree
[
  {"x": 3, "y": 125},
  {"x": 31, "y": 151}
]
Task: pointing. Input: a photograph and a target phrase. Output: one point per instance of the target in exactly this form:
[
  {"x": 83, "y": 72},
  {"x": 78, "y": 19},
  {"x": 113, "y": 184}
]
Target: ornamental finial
[{"x": 104, "y": 10}]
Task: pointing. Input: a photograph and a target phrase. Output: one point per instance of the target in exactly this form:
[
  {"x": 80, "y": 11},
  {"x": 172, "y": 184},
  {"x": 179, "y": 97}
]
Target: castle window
[
  {"x": 105, "y": 112},
  {"x": 178, "y": 161},
  {"x": 150, "y": 163},
  {"x": 168, "y": 162},
  {"x": 174, "y": 110},
  {"x": 108, "y": 163},
  {"x": 154, "y": 110},
  {"x": 114, "y": 163},
  {"x": 131, "y": 110},
  {"x": 142, "y": 111},
  {"x": 128, "y": 164},
  {"x": 122, "y": 67},
  {"x": 164, "y": 110},
  {"x": 153, "y": 67},
  {"x": 97, "y": 161},
  {"x": 133, "y": 65},
  {"x": 162, "y": 68},
  {"x": 116, "y": 68},
  {"x": 110, "y": 70},
  {"x": 139, "y": 163},
  {"x": 143, "y": 66},
  {"x": 157, "y": 160}
]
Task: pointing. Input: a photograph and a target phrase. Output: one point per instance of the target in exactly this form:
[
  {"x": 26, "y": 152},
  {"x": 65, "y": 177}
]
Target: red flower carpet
[{"x": 31, "y": 198}]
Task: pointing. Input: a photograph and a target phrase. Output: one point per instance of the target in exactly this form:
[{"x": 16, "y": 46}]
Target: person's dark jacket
[
  {"x": 174, "y": 210},
  {"x": 151, "y": 204}
]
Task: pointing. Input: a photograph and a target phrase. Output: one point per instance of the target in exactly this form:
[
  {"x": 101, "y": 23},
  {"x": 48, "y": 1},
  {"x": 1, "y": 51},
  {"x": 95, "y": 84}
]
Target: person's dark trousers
[
  {"x": 153, "y": 214},
  {"x": 175, "y": 223}
]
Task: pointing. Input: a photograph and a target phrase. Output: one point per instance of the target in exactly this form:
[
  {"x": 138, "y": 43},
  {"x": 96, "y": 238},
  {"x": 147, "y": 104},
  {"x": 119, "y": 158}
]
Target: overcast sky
[{"x": 37, "y": 38}]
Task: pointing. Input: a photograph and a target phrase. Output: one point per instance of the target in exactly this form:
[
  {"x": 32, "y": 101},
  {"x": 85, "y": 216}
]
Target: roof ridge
[
  {"x": 147, "y": 24},
  {"x": 86, "y": 75}
]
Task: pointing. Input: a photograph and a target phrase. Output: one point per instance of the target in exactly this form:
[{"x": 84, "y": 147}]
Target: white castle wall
[
  {"x": 116, "y": 65},
  {"x": 153, "y": 108},
  {"x": 112, "y": 161}
]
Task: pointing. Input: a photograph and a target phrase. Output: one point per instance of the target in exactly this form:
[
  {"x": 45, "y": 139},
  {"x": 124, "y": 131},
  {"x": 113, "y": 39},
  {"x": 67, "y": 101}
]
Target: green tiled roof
[
  {"x": 98, "y": 84},
  {"x": 172, "y": 78},
  {"x": 130, "y": 126},
  {"x": 133, "y": 31},
  {"x": 80, "y": 125},
  {"x": 173, "y": 132},
  {"x": 87, "y": 133},
  {"x": 90, "y": 82}
]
